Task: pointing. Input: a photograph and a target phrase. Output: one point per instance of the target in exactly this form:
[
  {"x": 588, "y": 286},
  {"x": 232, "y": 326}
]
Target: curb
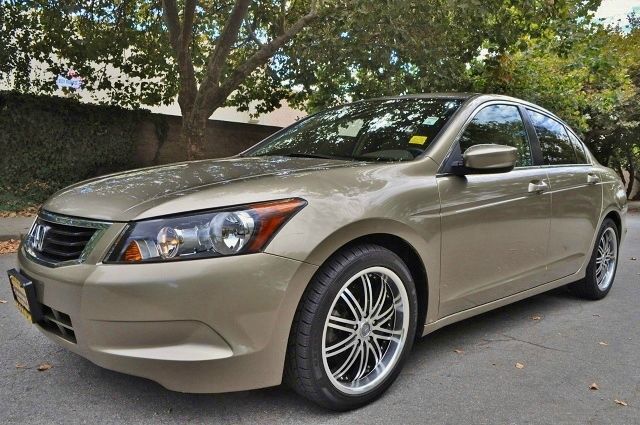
[{"x": 7, "y": 237}]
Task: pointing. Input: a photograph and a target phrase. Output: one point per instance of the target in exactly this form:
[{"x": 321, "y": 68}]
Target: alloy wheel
[
  {"x": 606, "y": 258},
  {"x": 365, "y": 330}
]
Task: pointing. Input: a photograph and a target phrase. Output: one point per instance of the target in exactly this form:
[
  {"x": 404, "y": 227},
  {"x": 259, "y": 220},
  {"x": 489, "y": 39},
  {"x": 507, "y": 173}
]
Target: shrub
[{"x": 47, "y": 143}]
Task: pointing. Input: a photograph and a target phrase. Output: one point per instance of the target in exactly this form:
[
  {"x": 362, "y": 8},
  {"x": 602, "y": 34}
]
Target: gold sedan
[{"x": 320, "y": 254}]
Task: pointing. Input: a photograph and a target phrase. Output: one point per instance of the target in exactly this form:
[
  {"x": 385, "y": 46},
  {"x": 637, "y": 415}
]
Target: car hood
[{"x": 122, "y": 196}]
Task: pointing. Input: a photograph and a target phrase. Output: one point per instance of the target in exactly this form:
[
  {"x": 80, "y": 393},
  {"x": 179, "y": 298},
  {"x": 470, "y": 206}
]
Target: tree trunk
[
  {"x": 632, "y": 175},
  {"x": 193, "y": 135}
]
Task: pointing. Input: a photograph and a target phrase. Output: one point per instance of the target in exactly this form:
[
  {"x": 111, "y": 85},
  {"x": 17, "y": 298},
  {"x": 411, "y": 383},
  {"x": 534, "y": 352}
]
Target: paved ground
[
  {"x": 14, "y": 227},
  {"x": 561, "y": 354}
]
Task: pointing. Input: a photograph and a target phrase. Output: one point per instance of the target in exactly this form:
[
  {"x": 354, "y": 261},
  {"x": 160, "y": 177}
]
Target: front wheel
[
  {"x": 601, "y": 270},
  {"x": 353, "y": 329}
]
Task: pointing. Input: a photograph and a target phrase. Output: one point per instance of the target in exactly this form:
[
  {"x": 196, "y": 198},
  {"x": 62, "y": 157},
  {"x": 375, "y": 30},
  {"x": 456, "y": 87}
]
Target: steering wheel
[{"x": 415, "y": 152}]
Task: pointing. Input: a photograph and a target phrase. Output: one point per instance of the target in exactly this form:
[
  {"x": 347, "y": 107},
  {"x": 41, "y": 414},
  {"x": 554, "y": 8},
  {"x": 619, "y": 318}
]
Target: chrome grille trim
[{"x": 63, "y": 234}]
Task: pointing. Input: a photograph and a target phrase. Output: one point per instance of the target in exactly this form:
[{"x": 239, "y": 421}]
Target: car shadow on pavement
[{"x": 282, "y": 403}]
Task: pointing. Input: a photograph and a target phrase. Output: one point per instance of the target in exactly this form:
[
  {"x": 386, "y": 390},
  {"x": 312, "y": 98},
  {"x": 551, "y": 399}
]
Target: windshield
[{"x": 376, "y": 130}]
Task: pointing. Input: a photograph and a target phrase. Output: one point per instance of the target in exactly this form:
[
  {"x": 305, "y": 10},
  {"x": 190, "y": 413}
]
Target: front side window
[
  {"x": 501, "y": 125},
  {"x": 581, "y": 153},
  {"x": 376, "y": 130},
  {"x": 554, "y": 140}
]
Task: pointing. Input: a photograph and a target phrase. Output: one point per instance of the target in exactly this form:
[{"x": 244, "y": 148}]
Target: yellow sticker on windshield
[{"x": 418, "y": 140}]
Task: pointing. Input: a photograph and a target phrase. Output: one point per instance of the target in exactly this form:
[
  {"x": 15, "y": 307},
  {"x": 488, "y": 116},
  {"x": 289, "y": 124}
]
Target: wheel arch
[
  {"x": 422, "y": 257},
  {"x": 617, "y": 219}
]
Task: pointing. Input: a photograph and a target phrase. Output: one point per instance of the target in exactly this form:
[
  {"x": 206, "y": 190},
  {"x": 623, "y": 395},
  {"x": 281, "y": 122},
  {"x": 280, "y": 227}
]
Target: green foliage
[
  {"x": 366, "y": 49},
  {"x": 47, "y": 143},
  {"x": 591, "y": 79}
]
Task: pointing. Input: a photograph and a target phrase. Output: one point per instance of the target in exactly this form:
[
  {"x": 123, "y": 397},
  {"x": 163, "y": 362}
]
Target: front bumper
[{"x": 210, "y": 325}]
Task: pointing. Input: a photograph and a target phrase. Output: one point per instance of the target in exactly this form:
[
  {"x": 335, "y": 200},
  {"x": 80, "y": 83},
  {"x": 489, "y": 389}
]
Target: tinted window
[
  {"x": 581, "y": 154},
  {"x": 501, "y": 125},
  {"x": 376, "y": 130},
  {"x": 554, "y": 140}
]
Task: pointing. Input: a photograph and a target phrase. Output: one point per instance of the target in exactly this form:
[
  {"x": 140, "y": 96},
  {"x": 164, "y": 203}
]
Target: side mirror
[{"x": 489, "y": 159}]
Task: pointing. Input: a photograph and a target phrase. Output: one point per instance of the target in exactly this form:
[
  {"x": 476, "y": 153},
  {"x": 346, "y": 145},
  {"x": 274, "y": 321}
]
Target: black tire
[
  {"x": 305, "y": 371},
  {"x": 588, "y": 288}
]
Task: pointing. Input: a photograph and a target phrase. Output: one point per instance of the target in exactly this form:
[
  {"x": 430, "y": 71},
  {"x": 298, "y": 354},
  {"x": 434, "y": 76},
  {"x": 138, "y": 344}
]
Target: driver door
[{"x": 495, "y": 227}]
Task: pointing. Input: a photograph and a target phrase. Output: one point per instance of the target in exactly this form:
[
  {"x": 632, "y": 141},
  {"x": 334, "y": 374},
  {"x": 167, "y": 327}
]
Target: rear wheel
[
  {"x": 353, "y": 329},
  {"x": 601, "y": 270}
]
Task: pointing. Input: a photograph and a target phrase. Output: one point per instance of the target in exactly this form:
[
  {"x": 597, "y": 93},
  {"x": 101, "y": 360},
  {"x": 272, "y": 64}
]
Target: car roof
[{"x": 478, "y": 97}]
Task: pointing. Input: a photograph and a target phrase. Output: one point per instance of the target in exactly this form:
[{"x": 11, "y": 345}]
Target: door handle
[
  {"x": 592, "y": 178},
  {"x": 538, "y": 186}
]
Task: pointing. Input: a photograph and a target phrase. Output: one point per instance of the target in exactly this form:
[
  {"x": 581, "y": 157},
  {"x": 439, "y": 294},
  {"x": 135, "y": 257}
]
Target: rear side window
[
  {"x": 501, "y": 125},
  {"x": 581, "y": 153},
  {"x": 554, "y": 140}
]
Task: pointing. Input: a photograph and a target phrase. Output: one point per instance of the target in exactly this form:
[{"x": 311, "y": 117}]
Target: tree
[
  {"x": 590, "y": 77},
  {"x": 198, "y": 102},
  {"x": 130, "y": 52},
  {"x": 211, "y": 53}
]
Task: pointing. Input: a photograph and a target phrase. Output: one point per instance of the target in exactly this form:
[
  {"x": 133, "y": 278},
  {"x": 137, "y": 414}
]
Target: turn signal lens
[
  {"x": 272, "y": 216},
  {"x": 132, "y": 253}
]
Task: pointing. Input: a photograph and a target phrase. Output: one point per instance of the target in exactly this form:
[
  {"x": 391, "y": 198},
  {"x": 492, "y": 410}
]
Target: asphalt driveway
[{"x": 465, "y": 373}]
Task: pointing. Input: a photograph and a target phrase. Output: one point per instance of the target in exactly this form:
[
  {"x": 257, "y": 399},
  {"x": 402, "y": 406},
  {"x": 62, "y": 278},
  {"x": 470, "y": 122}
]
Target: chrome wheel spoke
[
  {"x": 351, "y": 359},
  {"x": 384, "y": 334},
  {"x": 341, "y": 328},
  {"x": 385, "y": 316},
  {"x": 368, "y": 294},
  {"x": 352, "y": 303},
  {"x": 376, "y": 355},
  {"x": 364, "y": 362},
  {"x": 342, "y": 346}
]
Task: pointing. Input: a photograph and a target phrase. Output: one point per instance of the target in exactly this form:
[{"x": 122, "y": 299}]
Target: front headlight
[{"x": 241, "y": 230}]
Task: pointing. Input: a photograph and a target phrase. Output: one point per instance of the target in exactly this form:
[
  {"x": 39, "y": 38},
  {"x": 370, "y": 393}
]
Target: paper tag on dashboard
[
  {"x": 430, "y": 120},
  {"x": 418, "y": 140}
]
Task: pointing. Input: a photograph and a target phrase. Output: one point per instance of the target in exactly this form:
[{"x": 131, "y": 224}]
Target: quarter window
[
  {"x": 501, "y": 125},
  {"x": 581, "y": 153},
  {"x": 554, "y": 140}
]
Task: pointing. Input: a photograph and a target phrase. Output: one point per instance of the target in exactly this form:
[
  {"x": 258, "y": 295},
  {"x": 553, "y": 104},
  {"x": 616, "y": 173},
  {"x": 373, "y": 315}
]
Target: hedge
[{"x": 47, "y": 143}]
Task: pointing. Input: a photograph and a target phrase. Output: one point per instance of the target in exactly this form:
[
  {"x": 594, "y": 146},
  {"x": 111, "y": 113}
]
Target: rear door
[
  {"x": 495, "y": 227},
  {"x": 576, "y": 195}
]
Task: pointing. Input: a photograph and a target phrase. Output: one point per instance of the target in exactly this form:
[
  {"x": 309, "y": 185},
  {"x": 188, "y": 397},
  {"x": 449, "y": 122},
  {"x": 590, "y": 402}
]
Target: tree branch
[
  {"x": 263, "y": 54},
  {"x": 170, "y": 13},
  {"x": 180, "y": 36},
  {"x": 187, "y": 23},
  {"x": 223, "y": 47}
]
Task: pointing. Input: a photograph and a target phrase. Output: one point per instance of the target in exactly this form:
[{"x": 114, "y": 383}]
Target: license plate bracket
[{"x": 24, "y": 295}]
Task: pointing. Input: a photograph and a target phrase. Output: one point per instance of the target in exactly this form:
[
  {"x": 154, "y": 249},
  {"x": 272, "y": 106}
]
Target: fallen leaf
[
  {"x": 44, "y": 366},
  {"x": 3, "y": 301},
  {"x": 621, "y": 402},
  {"x": 519, "y": 366},
  {"x": 536, "y": 318},
  {"x": 594, "y": 386},
  {"x": 603, "y": 343},
  {"x": 457, "y": 351},
  {"x": 10, "y": 246},
  {"x": 21, "y": 366},
  {"x": 26, "y": 212}
]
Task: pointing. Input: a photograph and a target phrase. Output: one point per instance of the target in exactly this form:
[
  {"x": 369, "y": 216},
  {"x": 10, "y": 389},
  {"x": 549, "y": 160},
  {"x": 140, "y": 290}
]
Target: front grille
[
  {"x": 58, "y": 240},
  {"x": 58, "y": 323},
  {"x": 62, "y": 242}
]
